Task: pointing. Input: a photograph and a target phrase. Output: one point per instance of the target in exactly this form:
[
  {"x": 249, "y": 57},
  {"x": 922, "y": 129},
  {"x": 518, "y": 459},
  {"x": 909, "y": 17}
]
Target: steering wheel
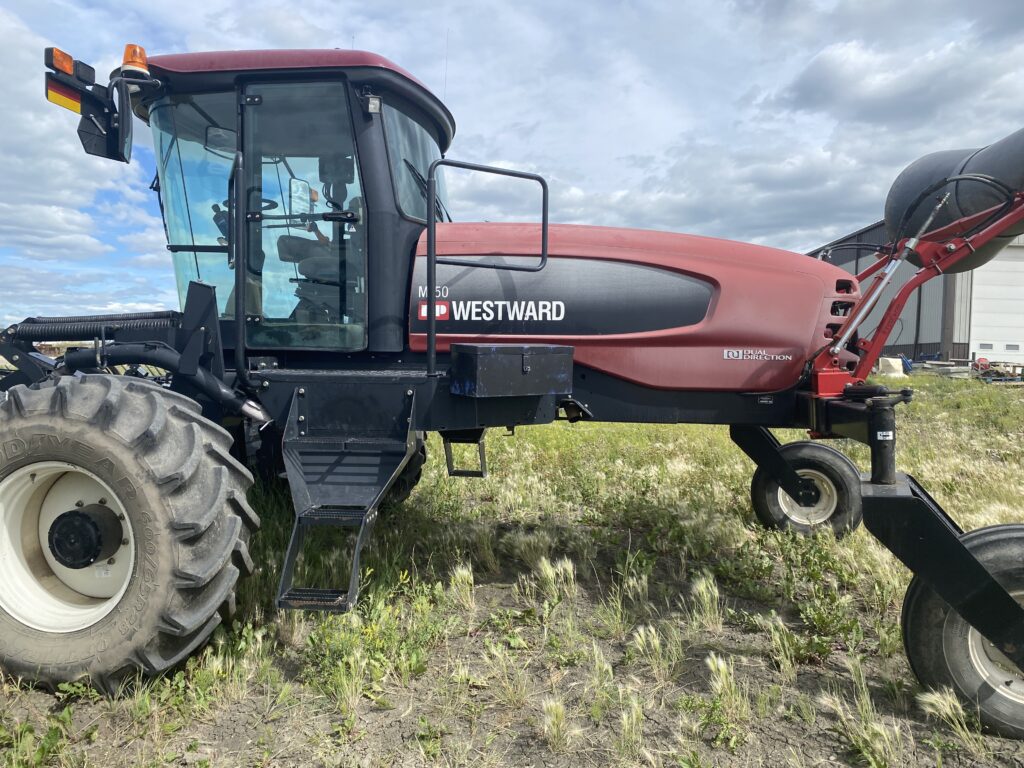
[{"x": 220, "y": 217}]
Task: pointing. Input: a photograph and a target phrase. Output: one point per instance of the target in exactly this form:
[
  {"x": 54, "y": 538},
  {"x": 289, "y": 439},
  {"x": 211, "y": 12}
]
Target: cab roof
[{"x": 209, "y": 69}]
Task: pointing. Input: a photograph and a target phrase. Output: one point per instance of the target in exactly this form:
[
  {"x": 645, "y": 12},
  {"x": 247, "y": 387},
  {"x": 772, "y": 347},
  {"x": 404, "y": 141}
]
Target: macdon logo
[
  {"x": 753, "y": 354},
  {"x": 441, "y": 310},
  {"x": 485, "y": 311}
]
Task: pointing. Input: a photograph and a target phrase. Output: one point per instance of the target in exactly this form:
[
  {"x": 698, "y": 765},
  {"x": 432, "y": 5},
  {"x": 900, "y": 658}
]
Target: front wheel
[
  {"x": 945, "y": 651},
  {"x": 838, "y": 483}
]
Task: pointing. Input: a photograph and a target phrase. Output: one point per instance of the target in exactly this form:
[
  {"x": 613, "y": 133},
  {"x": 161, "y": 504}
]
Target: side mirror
[
  {"x": 300, "y": 198},
  {"x": 220, "y": 140},
  {"x": 105, "y": 129},
  {"x": 123, "y": 134}
]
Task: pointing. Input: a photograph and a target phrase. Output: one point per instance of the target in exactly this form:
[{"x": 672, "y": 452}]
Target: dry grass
[
  {"x": 705, "y": 611},
  {"x": 558, "y": 733},
  {"x": 878, "y": 741},
  {"x": 947, "y": 708},
  {"x": 731, "y": 696},
  {"x": 461, "y": 585},
  {"x": 661, "y": 650}
]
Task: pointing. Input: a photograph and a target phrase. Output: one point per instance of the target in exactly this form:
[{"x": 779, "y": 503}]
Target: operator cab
[{"x": 335, "y": 149}]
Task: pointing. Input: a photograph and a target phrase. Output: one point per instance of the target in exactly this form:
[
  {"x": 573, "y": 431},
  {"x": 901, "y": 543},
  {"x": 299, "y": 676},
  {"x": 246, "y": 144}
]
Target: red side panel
[{"x": 768, "y": 312}]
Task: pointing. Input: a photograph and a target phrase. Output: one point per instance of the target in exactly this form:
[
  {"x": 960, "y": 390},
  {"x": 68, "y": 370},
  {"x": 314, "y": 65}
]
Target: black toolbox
[{"x": 510, "y": 370}]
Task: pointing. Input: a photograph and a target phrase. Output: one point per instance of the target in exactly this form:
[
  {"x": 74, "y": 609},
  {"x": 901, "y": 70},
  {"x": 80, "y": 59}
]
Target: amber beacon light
[{"x": 135, "y": 59}]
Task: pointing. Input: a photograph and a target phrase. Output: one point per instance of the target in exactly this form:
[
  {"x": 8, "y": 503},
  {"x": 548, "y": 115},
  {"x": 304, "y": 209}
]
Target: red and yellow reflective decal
[{"x": 63, "y": 96}]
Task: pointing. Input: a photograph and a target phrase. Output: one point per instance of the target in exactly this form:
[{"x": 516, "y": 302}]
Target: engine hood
[
  {"x": 659, "y": 309},
  {"x": 480, "y": 239}
]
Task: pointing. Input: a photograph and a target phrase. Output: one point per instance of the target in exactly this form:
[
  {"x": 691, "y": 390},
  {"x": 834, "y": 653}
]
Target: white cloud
[{"x": 778, "y": 121}]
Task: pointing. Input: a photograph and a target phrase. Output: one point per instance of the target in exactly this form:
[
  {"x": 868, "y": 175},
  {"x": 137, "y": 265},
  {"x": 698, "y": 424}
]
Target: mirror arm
[{"x": 151, "y": 82}]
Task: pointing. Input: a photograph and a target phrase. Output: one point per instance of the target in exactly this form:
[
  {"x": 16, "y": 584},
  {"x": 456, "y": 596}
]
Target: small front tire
[
  {"x": 945, "y": 651},
  {"x": 837, "y": 479}
]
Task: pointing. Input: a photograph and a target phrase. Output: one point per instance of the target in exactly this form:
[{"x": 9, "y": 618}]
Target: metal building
[{"x": 954, "y": 317}]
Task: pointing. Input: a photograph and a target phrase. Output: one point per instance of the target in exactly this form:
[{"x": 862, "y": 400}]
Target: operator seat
[{"x": 315, "y": 261}]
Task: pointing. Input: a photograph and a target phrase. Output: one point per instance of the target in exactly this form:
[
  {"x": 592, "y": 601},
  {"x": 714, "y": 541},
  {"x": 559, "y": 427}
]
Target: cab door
[{"x": 305, "y": 259}]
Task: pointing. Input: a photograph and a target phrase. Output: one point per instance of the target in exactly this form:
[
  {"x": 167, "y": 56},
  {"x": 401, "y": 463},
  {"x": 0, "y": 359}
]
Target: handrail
[
  {"x": 433, "y": 261},
  {"x": 236, "y": 187}
]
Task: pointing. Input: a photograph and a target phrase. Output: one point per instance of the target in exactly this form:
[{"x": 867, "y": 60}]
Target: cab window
[{"x": 411, "y": 150}]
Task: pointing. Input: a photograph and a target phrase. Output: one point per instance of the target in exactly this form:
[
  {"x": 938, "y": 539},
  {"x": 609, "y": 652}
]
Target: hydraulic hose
[
  {"x": 169, "y": 360},
  {"x": 82, "y": 329},
  {"x": 168, "y": 314}
]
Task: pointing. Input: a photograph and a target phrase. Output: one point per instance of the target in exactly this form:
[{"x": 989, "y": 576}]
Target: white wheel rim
[
  {"x": 987, "y": 660},
  {"x": 35, "y": 589},
  {"x": 823, "y": 509}
]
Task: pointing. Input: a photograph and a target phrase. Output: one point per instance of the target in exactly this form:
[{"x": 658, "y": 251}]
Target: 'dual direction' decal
[
  {"x": 568, "y": 297},
  {"x": 755, "y": 354}
]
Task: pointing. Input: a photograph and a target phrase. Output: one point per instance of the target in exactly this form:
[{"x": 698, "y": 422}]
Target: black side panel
[
  {"x": 569, "y": 297},
  {"x": 609, "y": 398},
  {"x": 390, "y": 240},
  {"x": 387, "y": 273}
]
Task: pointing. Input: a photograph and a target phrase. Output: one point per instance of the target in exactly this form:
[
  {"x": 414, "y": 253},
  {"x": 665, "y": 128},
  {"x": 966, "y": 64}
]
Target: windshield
[
  {"x": 411, "y": 150},
  {"x": 194, "y": 141}
]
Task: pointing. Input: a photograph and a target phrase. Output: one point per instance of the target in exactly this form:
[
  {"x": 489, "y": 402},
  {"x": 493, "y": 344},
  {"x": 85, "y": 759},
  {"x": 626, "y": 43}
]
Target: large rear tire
[
  {"x": 944, "y": 650},
  {"x": 102, "y": 444}
]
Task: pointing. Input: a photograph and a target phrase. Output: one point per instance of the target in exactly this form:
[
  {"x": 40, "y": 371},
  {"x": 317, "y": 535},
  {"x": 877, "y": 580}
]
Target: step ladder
[
  {"x": 338, "y": 471},
  {"x": 465, "y": 437}
]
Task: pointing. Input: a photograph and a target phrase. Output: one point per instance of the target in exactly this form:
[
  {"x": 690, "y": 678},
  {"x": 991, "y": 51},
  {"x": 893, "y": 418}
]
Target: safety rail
[
  {"x": 238, "y": 259},
  {"x": 433, "y": 260}
]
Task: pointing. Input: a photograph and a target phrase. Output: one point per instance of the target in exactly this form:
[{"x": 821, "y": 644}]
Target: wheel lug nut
[
  {"x": 79, "y": 503},
  {"x": 103, "y": 502},
  {"x": 124, "y": 542},
  {"x": 110, "y": 561}
]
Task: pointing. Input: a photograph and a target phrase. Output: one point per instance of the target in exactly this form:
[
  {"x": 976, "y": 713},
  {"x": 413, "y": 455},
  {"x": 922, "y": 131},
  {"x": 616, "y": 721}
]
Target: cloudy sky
[{"x": 774, "y": 121}]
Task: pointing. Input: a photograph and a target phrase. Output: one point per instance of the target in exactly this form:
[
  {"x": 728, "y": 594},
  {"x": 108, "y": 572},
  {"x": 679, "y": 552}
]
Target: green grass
[{"x": 605, "y": 596}]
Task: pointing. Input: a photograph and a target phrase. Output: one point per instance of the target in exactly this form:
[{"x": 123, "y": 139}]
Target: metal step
[
  {"x": 340, "y": 462},
  {"x": 315, "y": 598},
  {"x": 340, "y": 516},
  {"x": 341, "y": 454},
  {"x": 340, "y": 473},
  {"x": 308, "y": 599},
  {"x": 466, "y": 437}
]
